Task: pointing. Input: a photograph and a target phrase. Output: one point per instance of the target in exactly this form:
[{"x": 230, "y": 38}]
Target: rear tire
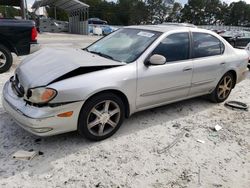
[
  {"x": 6, "y": 59},
  {"x": 223, "y": 89},
  {"x": 101, "y": 116}
]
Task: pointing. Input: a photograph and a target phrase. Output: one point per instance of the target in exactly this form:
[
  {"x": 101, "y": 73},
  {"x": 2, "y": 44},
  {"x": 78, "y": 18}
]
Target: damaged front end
[
  {"x": 35, "y": 74},
  {"x": 43, "y": 119},
  {"x": 49, "y": 65},
  {"x": 31, "y": 98}
]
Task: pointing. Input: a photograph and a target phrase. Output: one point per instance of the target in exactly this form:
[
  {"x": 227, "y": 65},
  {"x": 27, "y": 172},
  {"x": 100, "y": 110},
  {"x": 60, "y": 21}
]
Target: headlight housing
[{"x": 42, "y": 95}]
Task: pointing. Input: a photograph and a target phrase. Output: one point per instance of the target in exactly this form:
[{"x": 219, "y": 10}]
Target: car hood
[{"x": 47, "y": 65}]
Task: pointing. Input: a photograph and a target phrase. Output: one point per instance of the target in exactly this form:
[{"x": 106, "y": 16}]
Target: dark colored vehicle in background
[
  {"x": 237, "y": 40},
  {"x": 97, "y": 21},
  {"x": 16, "y": 36}
]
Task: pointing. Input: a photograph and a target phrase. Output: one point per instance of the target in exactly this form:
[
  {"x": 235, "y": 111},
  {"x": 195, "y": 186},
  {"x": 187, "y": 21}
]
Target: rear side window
[
  {"x": 174, "y": 47},
  {"x": 205, "y": 45}
]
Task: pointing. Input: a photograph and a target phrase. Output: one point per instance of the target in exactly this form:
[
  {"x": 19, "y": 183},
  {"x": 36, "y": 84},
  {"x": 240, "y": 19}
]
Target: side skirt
[{"x": 168, "y": 102}]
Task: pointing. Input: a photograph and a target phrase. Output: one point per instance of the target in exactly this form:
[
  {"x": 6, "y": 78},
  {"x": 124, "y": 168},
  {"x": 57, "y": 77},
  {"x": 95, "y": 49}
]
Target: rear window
[{"x": 205, "y": 45}]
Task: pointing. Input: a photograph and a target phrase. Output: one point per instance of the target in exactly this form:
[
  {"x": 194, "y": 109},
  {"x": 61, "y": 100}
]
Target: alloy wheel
[
  {"x": 3, "y": 59},
  {"x": 225, "y": 87},
  {"x": 103, "y": 118}
]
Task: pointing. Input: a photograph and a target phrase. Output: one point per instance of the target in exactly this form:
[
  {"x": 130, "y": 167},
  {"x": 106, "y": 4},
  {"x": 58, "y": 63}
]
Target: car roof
[{"x": 167, "y": 28}]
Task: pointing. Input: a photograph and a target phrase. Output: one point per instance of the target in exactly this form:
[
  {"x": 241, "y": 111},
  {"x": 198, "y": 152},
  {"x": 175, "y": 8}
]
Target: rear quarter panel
[
  {"x": 238, "y": 62},
  {"x": 235, "y": 59}
]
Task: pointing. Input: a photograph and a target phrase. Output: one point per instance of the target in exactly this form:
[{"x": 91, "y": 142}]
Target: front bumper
[{"x": 41, "y": 121}]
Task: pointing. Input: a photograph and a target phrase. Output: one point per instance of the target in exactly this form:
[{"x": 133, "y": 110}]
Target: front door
[{"x": 158, "y": 84}]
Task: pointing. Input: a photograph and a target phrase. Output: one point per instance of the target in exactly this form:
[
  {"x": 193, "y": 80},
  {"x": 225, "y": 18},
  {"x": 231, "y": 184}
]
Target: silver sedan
[{"x": 93, "y": 90}]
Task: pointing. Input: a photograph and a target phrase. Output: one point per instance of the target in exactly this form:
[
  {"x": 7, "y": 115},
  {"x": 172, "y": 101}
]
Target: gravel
[{"x": 130, "y": 158}]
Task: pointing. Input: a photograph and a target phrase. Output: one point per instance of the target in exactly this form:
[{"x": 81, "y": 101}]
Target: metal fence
[{"x": 224, "y": 27}]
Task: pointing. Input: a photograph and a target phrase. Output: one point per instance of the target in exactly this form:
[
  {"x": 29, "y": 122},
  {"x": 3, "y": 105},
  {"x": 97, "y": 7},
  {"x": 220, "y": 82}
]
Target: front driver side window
[{"x": 174, "y": 47}]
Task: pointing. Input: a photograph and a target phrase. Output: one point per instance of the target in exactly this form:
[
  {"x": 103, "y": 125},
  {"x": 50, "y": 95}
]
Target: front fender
[{"x": 82, "y": 87}]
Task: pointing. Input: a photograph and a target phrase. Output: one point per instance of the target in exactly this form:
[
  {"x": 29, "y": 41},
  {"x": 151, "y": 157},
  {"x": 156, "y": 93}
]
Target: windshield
[{"x": 124, "y": 45}]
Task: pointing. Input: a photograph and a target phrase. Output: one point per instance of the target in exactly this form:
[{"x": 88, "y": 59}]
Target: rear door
[{"x": 208, "y": 61}]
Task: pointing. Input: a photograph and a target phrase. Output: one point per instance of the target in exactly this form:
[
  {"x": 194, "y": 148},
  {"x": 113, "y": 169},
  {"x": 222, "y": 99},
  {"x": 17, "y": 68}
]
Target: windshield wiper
[{"x": 101, "y": 54}]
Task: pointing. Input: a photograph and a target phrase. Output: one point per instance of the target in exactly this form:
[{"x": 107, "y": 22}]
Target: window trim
[
  {"x": 192, "y": 45},
  {"x": 172, "y": 62}
]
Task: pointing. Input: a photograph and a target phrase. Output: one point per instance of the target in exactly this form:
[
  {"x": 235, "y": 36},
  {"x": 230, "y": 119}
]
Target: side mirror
[{"x": 157, "y": 60}]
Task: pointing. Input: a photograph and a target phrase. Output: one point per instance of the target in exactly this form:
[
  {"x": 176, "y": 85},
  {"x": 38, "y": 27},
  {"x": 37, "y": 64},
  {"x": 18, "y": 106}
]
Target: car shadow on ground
[{"x": 14, "y": 138}]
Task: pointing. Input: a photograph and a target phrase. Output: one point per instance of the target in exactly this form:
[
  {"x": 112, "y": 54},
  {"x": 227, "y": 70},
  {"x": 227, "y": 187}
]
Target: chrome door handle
[
  {"x": 187, "y": 69},
  {"x": 223, "y": 63}
]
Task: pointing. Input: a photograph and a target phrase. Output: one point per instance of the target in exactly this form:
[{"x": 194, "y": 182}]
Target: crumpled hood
[{"x": 46, "y": 65}]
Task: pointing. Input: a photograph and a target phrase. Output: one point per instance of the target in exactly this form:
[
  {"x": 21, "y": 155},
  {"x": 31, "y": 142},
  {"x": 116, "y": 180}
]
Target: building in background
[{"x": 78, "y": 15}]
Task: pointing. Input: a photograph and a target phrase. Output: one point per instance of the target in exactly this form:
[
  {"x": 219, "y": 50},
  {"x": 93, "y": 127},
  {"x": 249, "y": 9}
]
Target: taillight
[{"x": 33, "y": 34}]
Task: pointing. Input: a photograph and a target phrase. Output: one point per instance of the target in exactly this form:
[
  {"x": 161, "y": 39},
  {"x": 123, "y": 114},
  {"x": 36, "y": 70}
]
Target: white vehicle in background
[{"x": 248, "y": 51}]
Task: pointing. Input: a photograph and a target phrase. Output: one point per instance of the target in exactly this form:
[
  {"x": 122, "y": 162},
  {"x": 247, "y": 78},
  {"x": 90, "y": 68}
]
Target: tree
[
  {"x": 132, "y": 12},
  {"x": 211, "y": 12},
  {"x": 138, "y": 13},
  {"x": 9, "y": 12},
  {"x": 96, "y": 9},
  {"x": 60, "y": 13},
  {"x": 157, "y": 10},
  {"x": 175, "y": 13},
  {"x": 194, "y": 12},
  {"x": 224, "y": 14},
  {"x": 239, "y": 13}
]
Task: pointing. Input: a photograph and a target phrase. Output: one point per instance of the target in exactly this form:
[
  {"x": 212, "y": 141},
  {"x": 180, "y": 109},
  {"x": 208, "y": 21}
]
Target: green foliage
[
  {"x": 239, "y": 13},
  {"x": 157, "y": 10},
  {"x": 175, "y": 13},
  {"x": 209, "y": 12},
  {"x": 60, "y": 14},
  {"x": 194, "y": 12},
  {"x": 124, "y": 12},
  {"x": 133, "y": 12},
  {"x": 9, "y": 12},
  {"x": 198, "y": 12}
]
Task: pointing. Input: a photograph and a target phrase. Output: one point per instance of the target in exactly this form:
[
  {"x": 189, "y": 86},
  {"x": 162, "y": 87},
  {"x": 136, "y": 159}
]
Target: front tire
[
  {"x": 223, "y": 89},
  {"x": 101, "y": 116},
  {"x": 6, "y": 59}
]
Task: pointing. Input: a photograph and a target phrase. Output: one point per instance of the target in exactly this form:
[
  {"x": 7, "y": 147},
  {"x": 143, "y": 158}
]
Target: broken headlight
[{"x": 41, "y": 95}]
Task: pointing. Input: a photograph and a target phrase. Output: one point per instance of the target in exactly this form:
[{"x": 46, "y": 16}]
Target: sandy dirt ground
[{"x": 156, "y": 148}]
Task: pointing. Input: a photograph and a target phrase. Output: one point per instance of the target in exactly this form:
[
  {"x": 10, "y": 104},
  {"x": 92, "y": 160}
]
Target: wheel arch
[
  {"x": 118, "y": 93},
  {"x": 8, "y": 45},
  {"x": 233, "y": 72}
]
